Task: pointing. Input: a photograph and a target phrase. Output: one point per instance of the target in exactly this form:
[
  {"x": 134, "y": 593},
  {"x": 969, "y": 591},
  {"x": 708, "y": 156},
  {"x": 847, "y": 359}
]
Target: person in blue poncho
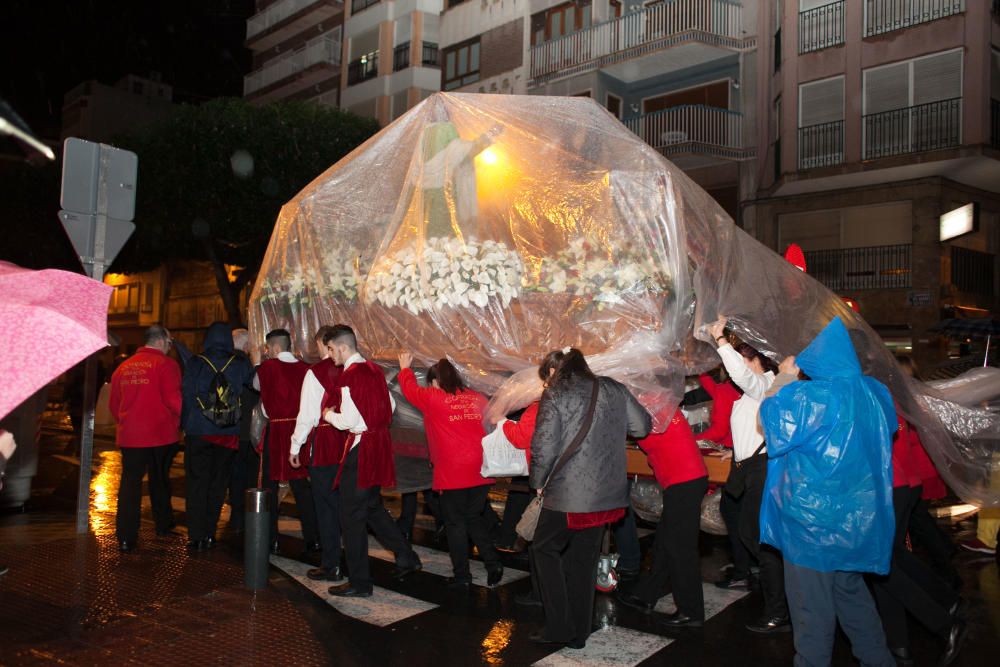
[{"x": 828, "y": 497}]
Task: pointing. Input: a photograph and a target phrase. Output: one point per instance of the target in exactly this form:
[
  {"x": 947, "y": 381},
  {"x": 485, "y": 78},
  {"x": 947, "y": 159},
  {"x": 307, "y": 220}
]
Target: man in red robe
[
  {"x": 320, "y": 446},
  {"x": 362, "y": 407},
  {"x": 279, "y": 380}
]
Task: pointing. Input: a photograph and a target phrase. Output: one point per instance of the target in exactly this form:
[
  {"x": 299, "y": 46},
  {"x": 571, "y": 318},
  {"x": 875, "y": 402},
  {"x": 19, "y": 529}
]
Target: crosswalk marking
[
  {"x": 611, "y": 646},
  {"x": 439, "y": 563},
  {"x": 716, "y": 600},
  {"x": 383, "y": 608}
]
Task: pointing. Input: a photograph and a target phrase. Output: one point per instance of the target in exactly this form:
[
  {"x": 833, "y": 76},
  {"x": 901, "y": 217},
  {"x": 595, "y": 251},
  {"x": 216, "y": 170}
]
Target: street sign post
[{"x": 98, "y": 201}]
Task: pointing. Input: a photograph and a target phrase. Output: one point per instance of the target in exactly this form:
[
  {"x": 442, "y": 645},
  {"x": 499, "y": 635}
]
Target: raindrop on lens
[{"x": 242, "y": 164}]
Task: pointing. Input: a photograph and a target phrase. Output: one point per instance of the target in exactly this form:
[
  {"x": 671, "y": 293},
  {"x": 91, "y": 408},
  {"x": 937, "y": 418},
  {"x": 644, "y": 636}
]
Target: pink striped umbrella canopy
[{"x": 49, "y": 321}]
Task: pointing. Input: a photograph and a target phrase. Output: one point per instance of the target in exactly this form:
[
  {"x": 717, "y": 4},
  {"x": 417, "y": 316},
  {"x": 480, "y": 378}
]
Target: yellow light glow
[
  {"x": 103, "y": 489},
  {"x": 115, "y": 279},
  {"x": 488, "y": 156}
]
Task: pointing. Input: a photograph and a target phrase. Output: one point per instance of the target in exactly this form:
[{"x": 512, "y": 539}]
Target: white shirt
[
  {"x": 288, "y": 358},
  {"x": 743, "y": 422},
  {"x": 309, "y": 407},
  {"x": 349, "y": 419}
]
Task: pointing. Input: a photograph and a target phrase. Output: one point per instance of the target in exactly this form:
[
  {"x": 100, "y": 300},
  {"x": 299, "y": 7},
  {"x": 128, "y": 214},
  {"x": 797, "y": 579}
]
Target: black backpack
[{"x": 220, "y": 404}]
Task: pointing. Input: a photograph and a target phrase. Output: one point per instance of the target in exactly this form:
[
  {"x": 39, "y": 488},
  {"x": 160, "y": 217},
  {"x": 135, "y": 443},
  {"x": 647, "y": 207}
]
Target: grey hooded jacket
[{"x": 594, "y": 478}]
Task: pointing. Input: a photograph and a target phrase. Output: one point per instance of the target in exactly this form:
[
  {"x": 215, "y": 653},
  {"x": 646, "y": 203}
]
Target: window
[
  {"x": 614, "y": 105},
  {"x": 821, "y": 123},
  {"x": 461, "y": 65},
  {"x": 362, "y": 69},
  {"x": 359, "y": 5},
  {"x": 914, "y": 105},
  {"x": 560, "y": 21},
  {"x": 401, "y": 57},
  {"x": 429, "y": 55},
  {"x": 125, "y": 299}
]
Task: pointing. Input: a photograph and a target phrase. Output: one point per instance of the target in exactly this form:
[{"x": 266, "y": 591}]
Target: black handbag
[{"x": 529, "y": 520}]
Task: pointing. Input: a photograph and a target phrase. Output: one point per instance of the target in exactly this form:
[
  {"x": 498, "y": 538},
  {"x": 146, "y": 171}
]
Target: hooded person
[
  {"x": 211, "y": 387},
  {"x": 828, "y": 496}
]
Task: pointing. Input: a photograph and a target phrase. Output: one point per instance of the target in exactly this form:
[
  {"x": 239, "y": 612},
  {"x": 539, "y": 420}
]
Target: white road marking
[{"x": 439, "y": 563}]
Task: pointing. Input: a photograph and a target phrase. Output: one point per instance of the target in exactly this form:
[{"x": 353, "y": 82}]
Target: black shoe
[
  {"x": 677, "y": 620},
  {"x": 734, "y": 583},
  {"x": 902, "y": 655},
  {"x": 540, "y": 638},
  {"x": 208, "y": 543},
  {"x": 195, "y": 546},
  {"x": 275, "y": 549},
  {"x": 313, "y": 548},
  {"x": 634, "y": 601},
  {"x": 323, "y": 574},
  {"x": 458, "y": 583},
  {"x": 527, "y": 600},
  {"x": 576, "y": 644},
  {"x": 956, "y": 637},
  {"x": 348, "y": 591},
  {"x": 494, "y": 576},
  {"x": 402, "y": 572},
  {"x": 126, "y": 546},
  {"x": 767, "y": 625}
]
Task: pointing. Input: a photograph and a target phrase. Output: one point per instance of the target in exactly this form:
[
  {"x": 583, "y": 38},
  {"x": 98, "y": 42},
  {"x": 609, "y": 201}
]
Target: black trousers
[
  {"x": 463, "y": 520},
  {"x": 747, "y": 484},
  {"x": 517, "y": 502},
  {"x": 675, "y": 550},
  {"x": 243, "y": 477},
  {"x": 565, "y": 569},
  {"x": 207, "y": 468},
  {"x": 729, "y": 508},
  {"x": 910, "y": 585},
  {"x": 138, "y": 462},
  {"x": 408, "y": 510},
  {"x": 302, "y": 491},
  {"x": 327, "y": 502},
  {"x": 925, "y": 533},
  {"x": 359, "y": 510}
]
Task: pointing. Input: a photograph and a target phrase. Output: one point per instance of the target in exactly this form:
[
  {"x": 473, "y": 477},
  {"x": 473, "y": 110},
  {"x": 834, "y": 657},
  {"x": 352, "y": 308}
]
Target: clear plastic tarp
[{"x": 492, "y": 229}]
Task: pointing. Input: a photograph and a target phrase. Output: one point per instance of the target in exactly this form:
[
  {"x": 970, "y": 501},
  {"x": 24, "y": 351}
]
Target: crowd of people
[{"x": 825, "y": 483}]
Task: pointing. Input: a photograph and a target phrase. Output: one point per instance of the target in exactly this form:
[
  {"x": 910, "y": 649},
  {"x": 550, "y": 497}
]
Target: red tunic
[
  {"x": 326, "y": 443},
  {"x": 924, "y": 469},
  {"x": 674, "y": 455},
  {"x": 723, "y": 396},
  {"x": 280, "y": 391},
  {"x": 370, "y": 394},
  {"x": 454, "y": 426},
  {"x": 519, "y": 433},
  {"x": 903, "y": 473}
]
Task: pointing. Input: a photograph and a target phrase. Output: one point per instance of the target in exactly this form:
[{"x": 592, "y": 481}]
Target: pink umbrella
[{"x": 49, "y": 321}]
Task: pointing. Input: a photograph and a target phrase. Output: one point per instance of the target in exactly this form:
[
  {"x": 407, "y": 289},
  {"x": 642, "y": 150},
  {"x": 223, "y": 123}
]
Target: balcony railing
[
  {"x": 716, "y": 22},
  {"x": 692, "y": 128},
  {"x": 972, "y": 271},
  {"x": 887, "y": 15},
  {"x": 278, "y": 12},
  {"x": 821, "y": 27},
  {"x": 877, "y": 267},
  {"x": 924, "y": 127},
  {"x": 359, "y": 5},
  {"x": 319, "y": 50},
  {"x": 821, "y": 145},
  {"x": 362, "y": 69},
  {"x": 995, "y": 121}
]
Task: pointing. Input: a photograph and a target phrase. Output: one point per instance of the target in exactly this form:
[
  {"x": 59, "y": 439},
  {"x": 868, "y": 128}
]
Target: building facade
[
  {"x": 875, "y": 118},
  {"x": 99, "y": 112}
]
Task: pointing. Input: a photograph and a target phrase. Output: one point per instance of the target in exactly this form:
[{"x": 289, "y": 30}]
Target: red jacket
[
  {"x": 145, "y": 399},
  {"x": 454, "y": 426},
  {"x": 924, "y": 469},
  {"x": 674, "y": 455},
  {"x": 723, "y": 396},
  {"x": 903, "y": 473},
  {"x": 519, "y": 433}
]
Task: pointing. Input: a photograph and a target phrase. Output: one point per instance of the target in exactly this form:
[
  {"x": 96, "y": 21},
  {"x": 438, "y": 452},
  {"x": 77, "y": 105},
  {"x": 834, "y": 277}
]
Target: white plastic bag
[{"x": 500, "y": 458}]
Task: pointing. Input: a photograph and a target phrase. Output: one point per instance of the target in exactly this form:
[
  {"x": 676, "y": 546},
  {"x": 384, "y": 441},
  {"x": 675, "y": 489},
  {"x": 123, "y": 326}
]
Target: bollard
[{"x": 257, "y": 533}]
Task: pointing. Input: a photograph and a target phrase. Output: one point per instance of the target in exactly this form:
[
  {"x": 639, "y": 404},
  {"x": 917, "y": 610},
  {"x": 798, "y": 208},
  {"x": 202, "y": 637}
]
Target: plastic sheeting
[{"x": 491, "y": 229}]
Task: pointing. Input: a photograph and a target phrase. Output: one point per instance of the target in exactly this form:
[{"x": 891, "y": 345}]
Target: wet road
[{"x": 72, "y": 600}]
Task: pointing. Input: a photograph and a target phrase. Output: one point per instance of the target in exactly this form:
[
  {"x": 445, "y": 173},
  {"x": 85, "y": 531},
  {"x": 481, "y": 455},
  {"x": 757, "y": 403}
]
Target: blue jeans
[{"x": 817, "y": 601}]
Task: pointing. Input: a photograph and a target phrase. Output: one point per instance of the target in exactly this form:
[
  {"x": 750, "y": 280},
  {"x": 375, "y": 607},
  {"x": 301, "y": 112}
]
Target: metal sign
[
  {"x": 83, "y": 164},
  {"x": 82, "y": 230}
]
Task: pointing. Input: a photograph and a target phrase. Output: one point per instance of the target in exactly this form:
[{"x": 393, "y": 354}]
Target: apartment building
[
  {"x": 297, "y": 51},
  {"x": 99, "y": 112},
  {"x": 875, "y": 118}
]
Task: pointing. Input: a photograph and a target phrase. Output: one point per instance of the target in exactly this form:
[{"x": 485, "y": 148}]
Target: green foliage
[{"x": 185, "y": 174}]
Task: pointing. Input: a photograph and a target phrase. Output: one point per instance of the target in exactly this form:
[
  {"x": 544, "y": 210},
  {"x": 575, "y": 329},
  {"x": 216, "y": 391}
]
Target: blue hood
[
  {"x": 830, "y": 355},
  {"x": 219, "y": 338}
]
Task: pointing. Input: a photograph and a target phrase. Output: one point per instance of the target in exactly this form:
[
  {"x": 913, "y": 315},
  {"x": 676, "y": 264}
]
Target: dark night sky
[{"x": 49, "y": 46}]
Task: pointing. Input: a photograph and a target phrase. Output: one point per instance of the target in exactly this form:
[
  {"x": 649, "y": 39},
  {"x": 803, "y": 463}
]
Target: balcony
[
  {"x": 887, "y": 15},
  {"x": 924, "y": 127},
  {"x": 715, "y": 23},
  {"x": 362, "y": 69},
  {"x": 428, "y": 56},
  {"x": 973, "y": 271},
  {"x": 848, "y": 269},
  {"x": 821, "y": 145},
  {"x": 693, "y": 129},
  {"x": 316, "y": 60},
  {"x": 821, "y": 27},
  {"x": 286, "y": 18}
]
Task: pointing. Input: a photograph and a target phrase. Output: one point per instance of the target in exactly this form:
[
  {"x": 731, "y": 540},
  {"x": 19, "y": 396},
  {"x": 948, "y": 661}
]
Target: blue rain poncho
[{"x": 828, "y": 497}]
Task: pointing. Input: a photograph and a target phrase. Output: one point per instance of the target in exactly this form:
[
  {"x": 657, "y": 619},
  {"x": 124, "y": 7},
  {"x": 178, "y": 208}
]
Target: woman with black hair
[
  {"x": 453, "y": 420},
  {"x": 578, "y": 466},
  {"x": 753, "y": 374}
]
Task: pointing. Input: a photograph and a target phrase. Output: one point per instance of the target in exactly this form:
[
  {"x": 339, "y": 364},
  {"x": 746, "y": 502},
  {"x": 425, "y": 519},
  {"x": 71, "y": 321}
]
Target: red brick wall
[{"x": 501, "y": 49}]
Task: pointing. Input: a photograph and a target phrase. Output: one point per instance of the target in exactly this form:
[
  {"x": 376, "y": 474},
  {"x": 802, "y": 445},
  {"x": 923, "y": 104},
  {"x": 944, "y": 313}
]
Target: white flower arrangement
[
  {"x": 449, "y": 273},
  {"x": 339, "y": 277},
  {"x": 577, "y": 270}
]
